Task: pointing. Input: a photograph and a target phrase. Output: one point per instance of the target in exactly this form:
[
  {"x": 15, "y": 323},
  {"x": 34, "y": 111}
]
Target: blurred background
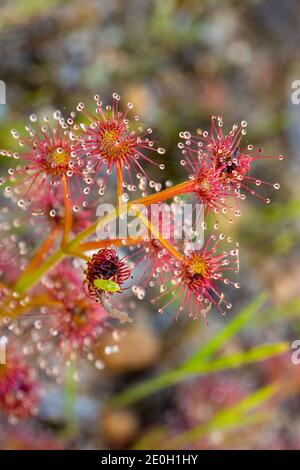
[{"x": 167, "y": 384}]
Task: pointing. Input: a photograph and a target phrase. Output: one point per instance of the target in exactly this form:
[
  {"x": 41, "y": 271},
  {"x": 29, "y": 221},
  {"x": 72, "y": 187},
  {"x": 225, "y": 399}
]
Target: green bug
[
  {"x": 109, "y": 286},
  {"x": 104, "y": 285}
]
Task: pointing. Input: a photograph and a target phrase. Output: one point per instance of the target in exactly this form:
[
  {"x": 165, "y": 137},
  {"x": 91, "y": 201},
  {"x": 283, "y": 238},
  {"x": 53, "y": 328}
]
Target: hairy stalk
[
  {"x": 99, "y": 224},
  {"x": 68, "y": 211},
  {"x": 120, "y": 182},
  {"x": 181, "y": 188},
  {"x": 40, "y": 301},
  {"x": 77, "y": 253},
  {"x": 97, "y": 245},
  {"x": 176, "y": 190},
  {"x": 43, "y": 250},
  {"x": 159, "y": 237},
  {"x": 28, "y": 280}
]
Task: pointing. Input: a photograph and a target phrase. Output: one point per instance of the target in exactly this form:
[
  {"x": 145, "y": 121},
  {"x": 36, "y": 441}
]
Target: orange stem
[
  {"x": 26, "y": 281},
  {"x": 68, "y": 211},
  {"x": 43, "y": 250},
  {"x": 77, "y": 253},
  {"x": 3, "y": 286},
  {"x": 177, "y": 190},
  {"x": 95, "y": 245},
  {"x": 159, "y": 237},
  {"x": 120, "y": 181},
  {"x": 39, "y": 301}
]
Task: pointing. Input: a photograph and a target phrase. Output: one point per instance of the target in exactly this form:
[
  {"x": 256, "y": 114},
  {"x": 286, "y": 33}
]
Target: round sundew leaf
[{"x": 109, "y": 286}]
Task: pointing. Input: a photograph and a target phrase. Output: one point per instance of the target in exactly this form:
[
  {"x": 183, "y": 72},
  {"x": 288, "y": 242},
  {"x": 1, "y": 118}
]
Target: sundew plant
[{"x": 68, "y": 273}]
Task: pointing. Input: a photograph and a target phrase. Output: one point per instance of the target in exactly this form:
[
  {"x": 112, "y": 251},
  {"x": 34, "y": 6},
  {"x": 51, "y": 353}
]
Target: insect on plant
[{"x": 63, "y": 287}]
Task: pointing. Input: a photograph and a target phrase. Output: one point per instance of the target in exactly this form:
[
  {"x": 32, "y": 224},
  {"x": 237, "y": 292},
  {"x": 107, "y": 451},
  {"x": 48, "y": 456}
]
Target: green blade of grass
[
  {"x": 70, "y": 397},
  {"x": 207, "y": 351},
  {"x": 144, "y": 389},
  {"x": 232, "y": 361},
  {"x": 231, "y": 329},
  {"x": 234, "y": 416}
]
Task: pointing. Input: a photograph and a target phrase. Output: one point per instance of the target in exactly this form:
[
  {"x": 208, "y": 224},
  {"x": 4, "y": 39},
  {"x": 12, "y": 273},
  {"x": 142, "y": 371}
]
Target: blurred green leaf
[
  {"x": 231, "y": 329},
  {"x": 256, "y": 354},
  {"x": 201, "y": 356},
  {"x": 236, "y": 415},
  {"x": 70, "y": 397}
]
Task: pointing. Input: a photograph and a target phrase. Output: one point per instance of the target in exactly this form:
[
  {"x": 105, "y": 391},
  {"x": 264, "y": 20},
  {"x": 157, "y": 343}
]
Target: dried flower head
[{"x": 105, "y": 274}]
